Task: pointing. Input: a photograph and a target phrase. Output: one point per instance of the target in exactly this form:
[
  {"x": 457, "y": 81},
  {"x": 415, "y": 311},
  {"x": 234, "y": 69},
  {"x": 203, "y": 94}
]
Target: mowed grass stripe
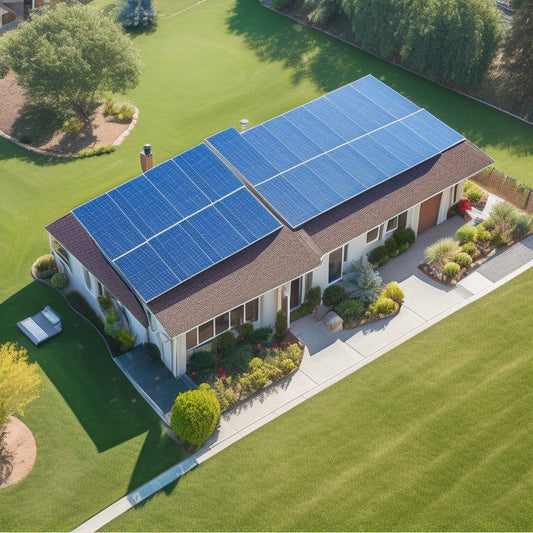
[{"x": 434, "y": 435}]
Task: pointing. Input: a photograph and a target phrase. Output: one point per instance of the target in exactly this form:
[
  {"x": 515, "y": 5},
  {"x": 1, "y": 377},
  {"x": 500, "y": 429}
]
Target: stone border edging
[
  {"x": 118, "y": 141},
  {"x": 268, "y": 5}
]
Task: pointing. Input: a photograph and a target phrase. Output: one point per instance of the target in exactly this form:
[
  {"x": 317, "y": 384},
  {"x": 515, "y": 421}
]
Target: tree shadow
[
  {"x": 6, "y": 458},
  {"x": 37, "y": 123},
  {"x": 81, "y": 369}
]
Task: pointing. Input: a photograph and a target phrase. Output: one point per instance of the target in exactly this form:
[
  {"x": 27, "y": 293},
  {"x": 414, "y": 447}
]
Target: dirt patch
[
  {"x": 17, "y": 452},
  {"x": 15, "y": 108}
]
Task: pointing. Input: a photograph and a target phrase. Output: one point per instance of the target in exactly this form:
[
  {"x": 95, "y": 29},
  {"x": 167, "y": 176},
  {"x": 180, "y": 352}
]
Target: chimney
[
  {"x": 146, "y": 158},
  {"x": 244, "y": 123}
]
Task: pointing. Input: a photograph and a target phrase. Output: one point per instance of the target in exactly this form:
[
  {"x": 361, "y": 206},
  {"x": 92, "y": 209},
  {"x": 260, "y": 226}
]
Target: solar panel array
[
  {"x": 321, "y": 154},
  {"x": 175, "y": 220}
]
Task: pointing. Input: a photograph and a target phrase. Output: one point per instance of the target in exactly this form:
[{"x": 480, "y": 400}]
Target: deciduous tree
[
  {"x": 19, "y": 381},
  {"x": 70, "y": 54}
]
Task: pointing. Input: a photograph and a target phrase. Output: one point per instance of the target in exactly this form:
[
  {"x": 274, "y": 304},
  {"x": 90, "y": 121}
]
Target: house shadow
[{"x": 80, "y": 368}]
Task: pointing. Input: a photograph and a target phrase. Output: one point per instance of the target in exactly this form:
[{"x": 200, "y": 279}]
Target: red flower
[
  {"x": 220, "y": 370},
  {"x": 193, "y": 373},
  {"x": 223, "y": 375}
]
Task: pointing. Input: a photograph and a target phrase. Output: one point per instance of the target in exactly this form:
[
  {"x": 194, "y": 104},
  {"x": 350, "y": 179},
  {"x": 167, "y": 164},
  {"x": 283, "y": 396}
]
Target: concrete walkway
[{"x": 329, "y": 357}]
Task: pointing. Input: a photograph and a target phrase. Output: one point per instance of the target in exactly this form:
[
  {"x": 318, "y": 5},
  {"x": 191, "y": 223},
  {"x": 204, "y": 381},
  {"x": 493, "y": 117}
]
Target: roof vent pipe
[
  {"x": 244, "y": 123},
  {"x": 146, "y": 158}
]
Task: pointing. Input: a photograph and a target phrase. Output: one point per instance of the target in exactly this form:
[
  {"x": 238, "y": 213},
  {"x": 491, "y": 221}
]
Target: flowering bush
[{"x": 464, "y": 205}]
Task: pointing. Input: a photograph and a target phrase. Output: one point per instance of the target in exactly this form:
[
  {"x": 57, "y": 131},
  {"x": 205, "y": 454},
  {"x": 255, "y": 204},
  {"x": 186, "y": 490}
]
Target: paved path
[{"x": 329, "y": 357}]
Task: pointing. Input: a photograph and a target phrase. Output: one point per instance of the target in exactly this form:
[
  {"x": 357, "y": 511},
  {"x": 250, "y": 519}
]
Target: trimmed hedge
[
  {"x": 378, "y": 256},
  {"x": 351, "y": 309}
]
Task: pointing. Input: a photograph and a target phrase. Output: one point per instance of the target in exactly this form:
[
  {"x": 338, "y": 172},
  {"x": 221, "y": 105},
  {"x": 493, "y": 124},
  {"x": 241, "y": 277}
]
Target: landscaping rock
[
  {"x": 320, "y": 312},
  {"x": 333, "y": 321}
]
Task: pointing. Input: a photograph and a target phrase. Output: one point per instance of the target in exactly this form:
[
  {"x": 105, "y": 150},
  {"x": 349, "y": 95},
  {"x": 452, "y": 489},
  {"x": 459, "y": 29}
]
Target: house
[{"x": 247, "y": 222}]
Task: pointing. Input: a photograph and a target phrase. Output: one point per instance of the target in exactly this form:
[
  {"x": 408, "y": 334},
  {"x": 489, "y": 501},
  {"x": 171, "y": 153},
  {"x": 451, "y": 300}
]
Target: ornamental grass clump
[
  {"x": 440, "y": 251},
  {"x": 195, "y": 416}
]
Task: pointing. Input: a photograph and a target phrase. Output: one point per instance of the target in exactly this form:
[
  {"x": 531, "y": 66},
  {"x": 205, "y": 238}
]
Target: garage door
[{"x": 429, "y": 213}]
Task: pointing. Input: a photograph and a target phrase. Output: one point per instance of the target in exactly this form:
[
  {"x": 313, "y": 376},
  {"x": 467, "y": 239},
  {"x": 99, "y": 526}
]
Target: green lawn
[
  {"x": 205, "y": 69},
  {"x": 436, "y": 435}
]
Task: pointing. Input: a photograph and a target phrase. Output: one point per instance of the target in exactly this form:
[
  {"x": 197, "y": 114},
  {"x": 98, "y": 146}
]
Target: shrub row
[{"x": 397, "y": 243}]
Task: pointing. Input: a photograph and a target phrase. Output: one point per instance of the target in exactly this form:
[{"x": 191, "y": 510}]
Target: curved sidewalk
[{"x": 329, "y": 357}]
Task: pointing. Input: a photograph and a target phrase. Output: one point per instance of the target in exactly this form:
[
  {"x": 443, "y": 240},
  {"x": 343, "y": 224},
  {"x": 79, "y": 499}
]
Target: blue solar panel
[
  {"x": 319, "y": 132},
  {"x": 396, "y": 104},
  {"x": 239, "y": 153},
  {"x": 415, "y": 142},
  {"x": 291, "y": 136},
  {"x": 360, "y": 108},
  {"x": 396, "y": 147},
  {"x": 357, "y": 166},
  {"x": 108, "y": 225},
  {"x": 244, "y": 212},
  {"x": 223, "y": 240},
  {"x": 147, "y": 272},
  {"x": 177, "y": 188},
  {"x": 213, "y": 176},
  {"x": 379, "y": 157},
  {"x": 271, "y": 148},
  {"x": 144, "y": 205},
  {"x": 335, "y": 176},
  {"x": 432, "y": 130},
  {"x": 180, "y": 252},
  {"x": 312, "y": 187},
  {"x": 294, "y": 208},
  {"x": 336, "y": 119}
]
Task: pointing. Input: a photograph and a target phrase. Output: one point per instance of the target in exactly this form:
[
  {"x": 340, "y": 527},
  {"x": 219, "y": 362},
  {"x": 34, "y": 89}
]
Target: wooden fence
[{"x": 505, "y": 187}]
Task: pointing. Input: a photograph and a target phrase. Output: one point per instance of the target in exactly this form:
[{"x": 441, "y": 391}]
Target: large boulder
[
  {"x": 333, "y": 321},
  {"x": 320, "y": 312}
]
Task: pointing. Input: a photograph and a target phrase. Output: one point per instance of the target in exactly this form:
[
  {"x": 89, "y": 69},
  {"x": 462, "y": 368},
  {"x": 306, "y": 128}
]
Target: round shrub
[
  {"x": 499, "y": 239},
  {"x": 482, "y": 234},
  {"x": 245, "y": 330},
  {"x": 524, "y": 223},
  {"x": 471, "y": 249},
  {"x": 463, "y": 259},
  {"x": 260, "y": 336},
  {"x": 202, "y": 360},
  {"x": 224, "y": 342},
  {"x": 72, "y": 125},
  {"x": 451, "y": 269},
  {"x": 46, "y": 266},
  {"x": 403, "y": 247},
  {"x": 59, "y": 281},
  {"x": 237, "y": 360},
  {"x": 392, "y": 246},
  {"x": 333, "y": 295},
  {"x": 313, "y": 296},
  {"x": 465, "y": 233},
  {"x": 286, "y": 365},
  {"x": 378, "y": 256},
  {"x": 472, "y": 191},
  {"x": 404, "y": 236},
  {"x": 195, "y": 415},
  {"x": 111, "y": 319},
  {"x": 126, "y": 340},
  {"x": 105, "y": 302},
  {"x": 383, "y": 306},
  {"x": 393, "y": 291},
  {"x": 351, "y": 309}
]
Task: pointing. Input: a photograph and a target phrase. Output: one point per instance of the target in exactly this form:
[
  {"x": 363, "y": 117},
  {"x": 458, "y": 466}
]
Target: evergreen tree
[{"x": 137, "y": 14}]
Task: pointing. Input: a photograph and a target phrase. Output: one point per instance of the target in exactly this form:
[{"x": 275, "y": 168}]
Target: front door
[
  {"x": 429, "y": 213},
  {"x": 295, "y": 292}
]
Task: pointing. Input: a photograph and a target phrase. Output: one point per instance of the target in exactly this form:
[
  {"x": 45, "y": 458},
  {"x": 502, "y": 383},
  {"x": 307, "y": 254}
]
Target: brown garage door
[{"x": 429, "y": 213}]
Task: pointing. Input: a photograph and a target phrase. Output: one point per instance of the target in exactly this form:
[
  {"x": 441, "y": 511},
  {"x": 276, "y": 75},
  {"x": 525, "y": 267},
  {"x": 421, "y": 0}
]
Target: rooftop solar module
[
  {"x": 347, "y": 141},
  {"x": 178, "y": 219}
]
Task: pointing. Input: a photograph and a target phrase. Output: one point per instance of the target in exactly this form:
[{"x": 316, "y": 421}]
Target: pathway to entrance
[{"x": 329, "y": 357}]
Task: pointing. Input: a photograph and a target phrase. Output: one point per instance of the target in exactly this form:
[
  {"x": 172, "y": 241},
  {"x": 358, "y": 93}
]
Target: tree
[
  {"x": 19, "y": 381},
  {"x": 518, "y": 56},
  {"x": 280, "y": 326},
  {"x": 137, "y": 14},
  {"x": 452, "y": 39},
  {"x": 360, "y": 280},
  {"x": 70, "y": 54},
  {"x": 195, "y": 415}
]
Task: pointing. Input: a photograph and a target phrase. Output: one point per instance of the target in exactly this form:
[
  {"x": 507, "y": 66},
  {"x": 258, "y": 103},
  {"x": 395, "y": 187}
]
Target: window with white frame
[
  {"x": 374, "y": 234},
  {"x": 249, "y": 312},
  {"x": 335, "y": 265},
  {"x": 392, "y": 224},
  {"x": 61, "y": 252},
  {"x": 87, "y": 277}
]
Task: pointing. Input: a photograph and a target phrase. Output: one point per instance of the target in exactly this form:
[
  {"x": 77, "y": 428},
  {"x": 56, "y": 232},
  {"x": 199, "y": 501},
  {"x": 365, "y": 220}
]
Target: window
[
  {"x": 373, "y": 234},
  {"x": 392, "y": 224},
  {"x": 205, "y": 332},
  {"x": 345, "y": 253},
  {"x": 237, "y": 316},
  {"x": 61, "y": 252},
  {"x": 87, "y": 277},
  {"x": 252, "y": 311},
  {"x": 221, "y": 323},
  {"x": 191, "y": 338},
  {"x": 402, "y": 220},
  {"x": 335, "y": 265},
  {"x": 100, "y": 289}
]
